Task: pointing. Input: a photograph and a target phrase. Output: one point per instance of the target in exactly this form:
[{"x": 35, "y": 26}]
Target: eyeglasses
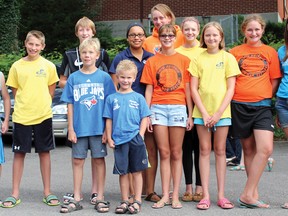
[
  {"x": 164, "y": 36},
  {"x": 136, "y": 35}
]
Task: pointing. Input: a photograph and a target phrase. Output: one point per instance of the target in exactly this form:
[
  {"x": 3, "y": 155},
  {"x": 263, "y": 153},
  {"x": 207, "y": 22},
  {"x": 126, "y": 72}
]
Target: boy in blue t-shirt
[
  {"x": 126, "y": 115},
  {"x": 85, "y": 92}
]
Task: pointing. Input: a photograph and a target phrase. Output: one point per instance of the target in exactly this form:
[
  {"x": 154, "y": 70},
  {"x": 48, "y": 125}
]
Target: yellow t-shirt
[
  {"x": 213, "y": 71},
  {"x": 191, "y": 53},
  {"x": 33, "y": 100}
]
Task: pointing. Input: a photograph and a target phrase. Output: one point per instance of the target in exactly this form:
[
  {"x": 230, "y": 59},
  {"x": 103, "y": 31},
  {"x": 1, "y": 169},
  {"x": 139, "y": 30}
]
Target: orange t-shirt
[
  {"x": 168, "y": 75},
  {"x": 152, "y": 43},
  {"x": 258, "y": 65}
]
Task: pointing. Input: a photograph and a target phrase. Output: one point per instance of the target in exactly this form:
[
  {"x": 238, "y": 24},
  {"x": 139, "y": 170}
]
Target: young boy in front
[
  {"x": 126, "y": 115},
  {"x": 85, "y": 92},
  {"x": 33, "y": 81}
]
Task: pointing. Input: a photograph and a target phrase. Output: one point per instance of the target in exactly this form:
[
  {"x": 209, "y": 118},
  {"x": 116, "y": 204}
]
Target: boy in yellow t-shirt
[{"x": 33, "y": 81}]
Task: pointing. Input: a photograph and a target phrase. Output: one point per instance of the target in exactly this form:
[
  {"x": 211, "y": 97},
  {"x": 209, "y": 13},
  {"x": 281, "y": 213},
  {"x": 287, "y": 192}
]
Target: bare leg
[
  {"x": 78, "y": 177},
  {"x": 263, "y": 145}
]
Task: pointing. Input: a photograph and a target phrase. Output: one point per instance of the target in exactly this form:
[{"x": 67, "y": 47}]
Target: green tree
[
  {"x": 56, "y": 19},
  {"x": 9, "y": 19}
]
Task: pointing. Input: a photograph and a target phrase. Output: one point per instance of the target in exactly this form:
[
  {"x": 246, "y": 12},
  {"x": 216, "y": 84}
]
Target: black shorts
[
  {"x": 246, "y": 118},
  {"x": 130, "y": 157},
  {"x": 41, "y": 134}
]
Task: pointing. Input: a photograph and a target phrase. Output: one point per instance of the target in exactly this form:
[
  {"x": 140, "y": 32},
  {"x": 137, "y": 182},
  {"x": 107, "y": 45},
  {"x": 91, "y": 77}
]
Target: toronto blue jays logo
[{"x": 89, "y": 102}]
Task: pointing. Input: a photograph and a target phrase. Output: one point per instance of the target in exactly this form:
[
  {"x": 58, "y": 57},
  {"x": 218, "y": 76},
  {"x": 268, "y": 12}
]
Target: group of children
[{"x": 148, "y": 94}]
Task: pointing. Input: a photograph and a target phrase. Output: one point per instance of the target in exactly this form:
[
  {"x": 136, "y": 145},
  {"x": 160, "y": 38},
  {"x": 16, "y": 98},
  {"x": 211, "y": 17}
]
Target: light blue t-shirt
[
  {"x": 87, "y": 93},
  {"x": 282, "y": 90},
  {"x": 126, "y": 112}
]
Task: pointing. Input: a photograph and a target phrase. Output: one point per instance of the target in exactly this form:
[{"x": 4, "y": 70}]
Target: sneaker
[
  {"x": 230, "y": 159},
  {"x": 231, "y": 163},
  {"x": 270, "y": 164}
]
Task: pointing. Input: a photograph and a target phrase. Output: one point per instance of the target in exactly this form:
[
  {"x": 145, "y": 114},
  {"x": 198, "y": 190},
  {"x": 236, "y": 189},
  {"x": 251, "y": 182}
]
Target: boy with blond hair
[
  {"x": 33, "y": 81},
  {"x": 126, "y": 115},
  {"x": 85, "y": 92}
]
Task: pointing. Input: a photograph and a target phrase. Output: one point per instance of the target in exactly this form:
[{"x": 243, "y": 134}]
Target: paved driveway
[{"x": 273, "y": 187}]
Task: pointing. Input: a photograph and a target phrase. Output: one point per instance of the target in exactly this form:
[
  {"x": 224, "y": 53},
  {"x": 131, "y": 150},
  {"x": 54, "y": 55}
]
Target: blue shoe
[{"x": 258, "y": 204}]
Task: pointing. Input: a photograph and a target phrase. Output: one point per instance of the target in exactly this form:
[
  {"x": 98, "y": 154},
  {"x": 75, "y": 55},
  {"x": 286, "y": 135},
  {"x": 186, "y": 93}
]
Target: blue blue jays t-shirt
[
  {"x": 282, "y": 90},
  {"x": 87, "y": 93},
  {"x": 126, "y": 54},
  {"x": 126, "y": 112}
]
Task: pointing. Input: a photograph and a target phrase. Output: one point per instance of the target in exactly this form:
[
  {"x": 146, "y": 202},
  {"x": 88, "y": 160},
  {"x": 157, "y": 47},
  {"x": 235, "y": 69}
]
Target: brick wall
[{"x": 130, "y": 9}]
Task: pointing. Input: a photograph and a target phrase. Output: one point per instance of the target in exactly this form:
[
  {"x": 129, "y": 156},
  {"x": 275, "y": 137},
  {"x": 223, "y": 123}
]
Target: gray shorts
[{"x": 94, "y": 143}]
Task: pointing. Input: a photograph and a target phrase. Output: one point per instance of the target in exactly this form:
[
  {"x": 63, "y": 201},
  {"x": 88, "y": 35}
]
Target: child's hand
[
  {"x": 215, "y": 118},
  {"x": 189, "y": 124},
  {"x": 72, "y": 136},
  {"x": 149, "y": 126},
  {"x": 5, "y": 126},
  {"x": 104, "y": 138},
  {"x": 111, "y": 143}
]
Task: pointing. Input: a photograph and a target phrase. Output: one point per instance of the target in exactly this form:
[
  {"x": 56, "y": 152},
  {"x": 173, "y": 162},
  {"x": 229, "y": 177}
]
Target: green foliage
[
  {"x": 9, "y": 19},
  {"x": 56, "y": 19},
  {"x": 119, "y": 44}
]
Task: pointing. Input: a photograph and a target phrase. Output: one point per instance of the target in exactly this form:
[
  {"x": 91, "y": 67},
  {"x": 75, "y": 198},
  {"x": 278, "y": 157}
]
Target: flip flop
[
  {"x": 48, "y": 200},
  {"x": 160, "y": 204},
  {"x": 176, "y": 205},
  {"x": 12, "y": 200},
  {"x": 258, "y": 204},
  {"x": 204, "y": 204}
]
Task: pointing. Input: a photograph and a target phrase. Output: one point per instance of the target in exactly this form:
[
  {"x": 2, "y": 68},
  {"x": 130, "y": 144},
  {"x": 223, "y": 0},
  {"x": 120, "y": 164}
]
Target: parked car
[{"x": 59, "y": 110}]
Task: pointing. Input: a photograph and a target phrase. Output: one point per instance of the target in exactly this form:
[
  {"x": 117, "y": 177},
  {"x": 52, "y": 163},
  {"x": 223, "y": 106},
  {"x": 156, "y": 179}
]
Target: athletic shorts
[
  {"x": 41, "y": 134},
  {"x": 282, "y": 111},
  {"x": 246, "y": 118},
  {"x": 2, "y": 157},
  {"x": 169, "y": 115},
  {"x": 94, "y": 143},
  {"x": 130, "y": 157}
]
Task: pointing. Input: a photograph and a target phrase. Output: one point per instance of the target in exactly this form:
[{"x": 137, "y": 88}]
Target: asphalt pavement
[{"x": 273, "y": 186}]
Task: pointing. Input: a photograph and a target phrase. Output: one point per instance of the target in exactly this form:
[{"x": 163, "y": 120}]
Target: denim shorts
[
  {"x": 169, "y": 115},
  {"x": 281, "y": 106},
  {"x": 94, "y": 143},
  {"x": 221, "y": 122}
]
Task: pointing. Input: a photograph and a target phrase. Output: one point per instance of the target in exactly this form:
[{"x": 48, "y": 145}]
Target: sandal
[
  {"x": 72, "y": 206},
  {"x": 93, "y": 198},
  {"x": 48, "y": 200},
  {"x": 204, "y": 204},
  {"x": 14, "y": 201},
  {"x": 152, "y": 197},
  {"x": 102, "y": 206},
  {"x": 122, "y": 208},
  {"x": 238, "y": 168},
  {"x": 176, "y": 205},
  {"x": 132, "y": 208},
  {"x": 69, "y": 196},
  {"x": 187, "y": 197},
  {"x": 222, "y": 203},
  {"x": 197, "y": 197},
  {"x": 160, "y": 204}
]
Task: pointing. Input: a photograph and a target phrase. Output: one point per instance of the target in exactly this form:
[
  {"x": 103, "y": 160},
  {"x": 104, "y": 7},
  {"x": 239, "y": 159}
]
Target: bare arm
[
  {"x": 275, "y": 84},
  {"x": 109, "y": 133},
  {"x": 226, "y": 101},
  {"x": 62, "y": 81},
  {"x": 7, "y": 106},
  {"x": 143, "y": 126},
  {"x": 189, "y": 104},
  {"x": 148, "y": 97},
  {"x": 52, "y": 89},
  {"x": 71, "y": 133},
  {"x": 197, "y": 100}
]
